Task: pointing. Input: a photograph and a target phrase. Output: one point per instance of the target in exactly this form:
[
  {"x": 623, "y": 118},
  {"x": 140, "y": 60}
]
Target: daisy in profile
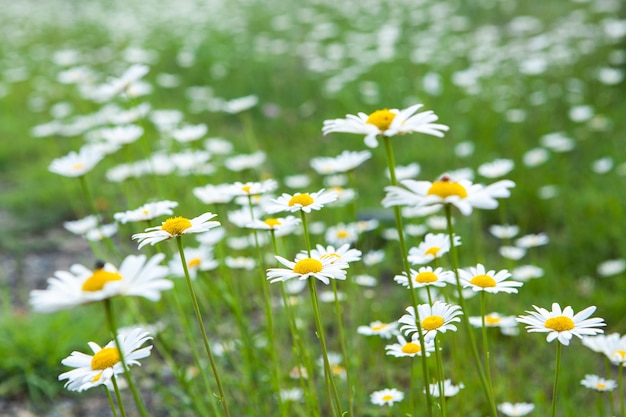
[
  {"x": 302, "y": 201},
  {"x": 387, "y": 396},
  {"x": 596, "y": 383},
  {"x": 281, "y": 226},
  {"x": 409, "y": 348},
  {"x": 562, "y": 324},
  {"x": 379, "y": 328},
  {"x": 175, "y": 227},
  {"x": 105, "y": 362},
  {"x": 479, "y": 279},
  {"x": 494, "y": 320},
  {"x": 434, "y": 319},
  {"x": 136, "y": 276},
  {"x": 426, "y": 276},
  {"x": 321, "y": 268},
  {"x": 76, "y": 164},
  {"x": 253, "y": 188},
  {"x": 387, "y": 123},
  {"x": 496, "y": 168},
  {"x": 214, "y": 194},
  {"x": 344, "y": 162},
  {"x": 344, "y": 253},
  {"x": 504, "y": 231},
  {"x": 197, "y": 259},
  {"x": 515, "y": 409},
  {"x": 434, "y": 246},
  {"x": 449, "y": 389},
  {"x": 147, "y": 212},
  {"x": 462, "y": 194}
]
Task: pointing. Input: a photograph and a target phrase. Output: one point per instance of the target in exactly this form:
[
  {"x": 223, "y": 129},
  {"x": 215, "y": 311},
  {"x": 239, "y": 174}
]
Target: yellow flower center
[
  {"x": 560, "y": 323},
  {"x": 434, "y": 250},
  {"x": 342, "y": 234},
  {"x": 194, "y": 262},
  {"x": 272, "y": 222},
  {"x": 411, "y": 348},
  {"x": 432, "y": 322},
  {"x": 175, "y": 226},
  {"x": 302, "y": 199},
  {"x": 307, "y": 266},
  {"x": 78, "y": 166},
  {"x": 621, "y": 353},
  {"x": 446, "y": 188},
  {"x": 99, "y": 278},
  {"x": 337, "y": 369},
  {"x": 387, "y": 397},
  {"x": 145, "y": 212},
  {"x": 484, "y": 281},
  {"x": 104, "y": 359},
  {"x": 492, "y": 320},
  {"x": 426, "y": 277},
  {"x": 246, "y": 189},
  {"x": 600, "y": 385},
  {"x": 378, "y": 327},
  {"x": 381, "y": 119}
]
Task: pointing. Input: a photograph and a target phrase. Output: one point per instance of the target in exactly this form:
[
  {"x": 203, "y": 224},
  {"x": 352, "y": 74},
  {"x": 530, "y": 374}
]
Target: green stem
[
  {"x": 486, "y": 355},
  {"x": 556, "y": 377},
  {"x": 205, "y": 339},
  {"x": 111, "y": 402},
  {"x": 620, "y": 385},
  {"x": 442, "y": 397},
  {"x": 131, "y": 384},
  {"x": 116, "y": 388},
  {"x": 407, "y": 268},
  {"x": 344, "y": 350}
]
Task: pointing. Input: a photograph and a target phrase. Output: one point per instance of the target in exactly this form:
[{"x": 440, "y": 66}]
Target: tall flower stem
[
  {"x": 620, "y": 386},
  {"x": 205, "y": 340},
  {"x": 486, "y": 355},
  {"x": 89, "y": 201},
  {"x": 556, "y": 378},
  {"x": 118, "y": 395},
  {"x": 344, "y": 350},
  {"x": 442, "y": 397},
  {"x": 454, "y": 258},
  {"x": 111, "y": 402},
  {"x": 131, "y": 384},
  {"x": 407, "y": 268}
]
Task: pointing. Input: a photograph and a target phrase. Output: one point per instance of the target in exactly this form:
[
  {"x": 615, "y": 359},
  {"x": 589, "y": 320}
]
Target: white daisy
[
  {"x": 512, "y": 252},
  {"x": 434, "y": 246},
  {"x": 387, "y": 123},
  {"x": 449, "y": 389},
  {"x": 80, "y": 285},
  {"x": 515, "y": 410},
  {"x": 433, "y": 319},
  {"x": 76, "y": 164},
  {"x": 344, "y": 162},
  {"x": 214, "y": 194},
  {"x": 198, "y": 259},
  {"x": 281, "y": 226},
  {"x": 105, "y": 363},
  {"x": 526, "y": 272},
  {"x": 174, "y": 227},
  {"x": 82, "y": 226},
  {"x": 121, "y": 135},
  {"x": 253, "y": 188},
  {"x": 322, "y": 268},
  {"x": 343, "y": 253},
  {"x": 189, "y": 133},
  {"x": 302, "y": 201},
  {"x": 101, "y": 232},
  {"x": 379, "y": 328},
  {"x": 611, "y": 267},
  {"x": 596, "y": 383},
  {"x": 479, "y": 279},
  {"x": 562, "y": 324},
  {"x": 242, "y": 162},
  {"x": 147, "y": 212},
  {"x": 532, "y": 240},
  {"x": 387, "y": 396},
  {"x": 342, "y": 234},
  {"x": 405, "y": 348},
  {"x": 494, "y": 320},
  {"x": 462, "y": 194},
  {"x": 426, "y": 276},
  {"x": 505, "y": 231},
  {"x": 496, "y": 168}
]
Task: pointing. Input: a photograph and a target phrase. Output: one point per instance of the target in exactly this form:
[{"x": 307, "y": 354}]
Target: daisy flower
[
  {"x": 80, "y": 285},
  {"x": 344, "y": 162},
  {"x": 449, "y": 389},
  {"x": 494, "y": 320},
  {"x": 436, "y": 318},
  {"x": 147, "y": 212},
  {"x": 462, "y": 194},
  {"x": 302, "y": 201},
  {"x": 504, "y": 231},
  {"x": 614, "y": 347},
  {"x": 387, "y": 396},
  {"x": 515, "y": 410},
  {"x": 532, "y": 240},
  {"x": 76, "y": 164},
  {"x": 426, "y": 276},
  {"x": 214, "y": 194},
  {"x": 82, "y": 226},
  {"x": 253, "y": 188},
  {"x": 594, "y": 382},
  {"x": 405, "y": 348},
  {"x": 281, "y": 226},
  {"x": 342, "y": 233},
  {"x": 242, "y": 162},
  {"x": 434, "y": 246},
  {"x": 479, "y": 279},
  {"x": 378, "y": 328},
  {"x": 198, "y": 259},
  {"x": 496, "y": 168},
  {"x": 526, "y": 272},
  {"x": 611, "y": 267},
  {"x": 105, "y": 363},
  {"x": 174, "y": 227},
  {"x": 512, "y": 252},
  {"x": 387, "y": 123},
  {"x": 562, "y": 324},
  {"x": 322, "y": 268},
  {"x": 343, "y": 253}
]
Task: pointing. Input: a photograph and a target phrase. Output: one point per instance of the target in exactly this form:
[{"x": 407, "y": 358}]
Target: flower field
[{"x": 313, "y": 208}]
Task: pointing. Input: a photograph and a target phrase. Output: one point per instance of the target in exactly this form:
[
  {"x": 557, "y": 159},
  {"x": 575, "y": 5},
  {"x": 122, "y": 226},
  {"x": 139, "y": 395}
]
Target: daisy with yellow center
[
  {"x": 321, "y": 268},
  {"x": 434, "y": 319},
  {"x": 409, "y": 348},
  {"x": 136, "y": 276},
  {"x": 344, "y": 162},
  {"x": 197, "y": 259},
  {"x": 281, "y": 226},
  {"x": 76, "y": 164},
  {"x": 449, "y": 389},
  {"x": 387, "y": 396},
  {"x": 515, "y": 410},
  {"x": 434, "y": 246},
  {"x": 426, "y": 276},
  {"x": 147, "y": 212},
  {"x": 105, "y": 363},
  {"x": 494, "y": 320},
  {"x": 253, "y": 188},
  {"x": 462, "y": 194},
  {"x": 174, "y": 227},
  {"x": 479, "y": 279},
  {"x": 596, "y": 383},
  {"x": 302, "y": 201},
  {"x": 379, "y": 328},
  {"x": 388, "y": 123},
  {"x": 562, "y": 324}
]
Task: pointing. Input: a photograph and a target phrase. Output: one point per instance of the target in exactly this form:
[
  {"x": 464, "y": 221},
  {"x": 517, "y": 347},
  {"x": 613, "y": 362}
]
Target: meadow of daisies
[{"x": 408, "y": 208}]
